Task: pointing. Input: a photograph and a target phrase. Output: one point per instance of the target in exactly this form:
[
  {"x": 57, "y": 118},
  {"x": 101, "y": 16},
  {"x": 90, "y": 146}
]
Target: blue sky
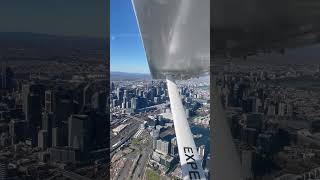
[{"x": 126, "y": 48}]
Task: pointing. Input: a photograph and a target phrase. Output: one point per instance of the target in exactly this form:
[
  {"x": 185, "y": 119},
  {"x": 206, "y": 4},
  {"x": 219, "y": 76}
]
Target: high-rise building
[
  {"x": 99, "y": 101},
  {"x": 17, "y": 129},
  {"x": 134, "y": 103},
  {"x": 56, "y": 136},
  {"x": 34, "y": 116},
  {"x": 64, "y": 108},
  {"x": 119, "y": 93},
  {"x": 174, "y": 147},
  {"x": 163, "y": 146},
  {"x": 43, "y": 139},
  {"x": 112, "y": 86},
  {"x": 98, "y": 130},
  {"x": 78, "y": 131},
  {"x": 246, "y": 163},
  {"x": 281, "y": 108},
  {"x": 49, "y": 101},
  {"x": 3, "y": 168},
  {"x": 3, "y": 74},
  {"x": 24, "y": 95},
  {"x": 201, "y": 151},
  {"x": 114, "y": 103},
  {"x": 155, "y": 136}
]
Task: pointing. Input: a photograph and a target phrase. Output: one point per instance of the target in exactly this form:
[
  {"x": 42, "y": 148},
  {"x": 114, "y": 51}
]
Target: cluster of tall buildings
[
  {"x": 131, "y": 98},
  {"x": 136, "y": 98},
  {"x": 264, "y": 111},
  {"x": 62, "y": 121}
]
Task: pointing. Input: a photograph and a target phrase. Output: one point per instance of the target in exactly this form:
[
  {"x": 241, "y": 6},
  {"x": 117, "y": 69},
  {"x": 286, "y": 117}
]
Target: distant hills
[
  {"x": 116, "y": 76},
  {"x": 37, "y": 40}
]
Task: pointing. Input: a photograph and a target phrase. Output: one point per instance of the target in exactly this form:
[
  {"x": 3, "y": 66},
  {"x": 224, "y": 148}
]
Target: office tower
[
  {"x": 125, "y": 93},
  {"x": 134, "y": 103},
  {"x": 43, "y": 139},
  {"x": 47, "y": 122},
  {"x": 49, "y": 101},
  {"x": 248, "y": 136},
  {"x": 155, "y": 136},
  {"x": 56, "y": 136},
  {"x": 158, "y": 91},
  {"x": 64, "y": 133},
  {"x": 254, "y": 120},
  {"x": 98, "y": 131},
  {"x": 246, "y": 163},
  {"x": 112, "y": 86},
  {"x": 64, "y": 108},
  {"x": 34, "y": 116},
  {"x": 114, "y": 103},
  {"x": 99, "y": 101},
  {"x": 88, "y": 91},
  {"x": 128, "y": 104},
  {"x": 24, "y": 95},
  {"x": 119, "y": 93},
  {"x": 124, "y": 99},
  {"x": 17, "y": 129},
  {"x": 3, "y": 168},
  {"x": 163, "y": 146},
  {"x": 78, "y": 131},
  {"x": 281, "y": 108},
  {"x": 3, "y": 74},
  {"x": 174, "y": 146},
  {"x": 201, "y": 151}
]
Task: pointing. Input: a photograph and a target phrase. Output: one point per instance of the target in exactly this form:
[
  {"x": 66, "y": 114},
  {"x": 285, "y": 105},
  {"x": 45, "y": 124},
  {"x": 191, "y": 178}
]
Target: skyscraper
[
  {"x": 78, "y": 131},
  {"x": 43, "y": 139},
  {"x": 174, "y": 146},
  {"x": 24, "y": 95},
  {"x": 49, "y": 100},
  {"x": 34, "y": 116},
  {"x": 201, "y": 151},
  {"x": 3, "y": 168},
  {"x": 155, "y": 136},
  {"x": 3, "y": 74}
]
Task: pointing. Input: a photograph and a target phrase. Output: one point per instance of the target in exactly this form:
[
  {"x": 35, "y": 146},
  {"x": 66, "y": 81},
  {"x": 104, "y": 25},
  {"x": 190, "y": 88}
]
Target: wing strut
[{"x": 189, "y": 157}]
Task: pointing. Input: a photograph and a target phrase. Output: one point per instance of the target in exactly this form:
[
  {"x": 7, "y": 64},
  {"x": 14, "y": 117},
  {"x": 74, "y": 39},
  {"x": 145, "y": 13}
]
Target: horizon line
[{"x": 129, "y": 72}]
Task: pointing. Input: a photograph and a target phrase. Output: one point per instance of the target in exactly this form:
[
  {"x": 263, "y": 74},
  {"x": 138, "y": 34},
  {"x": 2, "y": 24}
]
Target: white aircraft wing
[{"x": 176, "y": 38}]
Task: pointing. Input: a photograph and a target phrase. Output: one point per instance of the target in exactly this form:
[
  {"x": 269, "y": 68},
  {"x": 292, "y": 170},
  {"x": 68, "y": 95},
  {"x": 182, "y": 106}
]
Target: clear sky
[{"x": 126, "y": 48}]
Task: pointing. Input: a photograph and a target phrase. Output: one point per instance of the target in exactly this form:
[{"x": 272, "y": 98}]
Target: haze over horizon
[{"x": 70, "y": 18}]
